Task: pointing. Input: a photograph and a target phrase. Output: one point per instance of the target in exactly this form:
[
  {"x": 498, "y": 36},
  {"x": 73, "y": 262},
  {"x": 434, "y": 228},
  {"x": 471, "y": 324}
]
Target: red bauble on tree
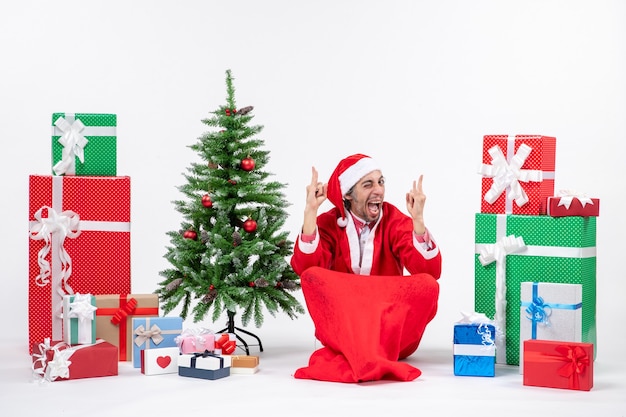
[
  {"x": 206, "y": 201},
  {"x": 249, "y": 225},
  {"x": 247, "y": 164},
  {"x": 190, "y": 234}
]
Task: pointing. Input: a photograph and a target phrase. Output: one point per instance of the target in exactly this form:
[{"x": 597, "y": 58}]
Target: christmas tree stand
[{"x": 231, "y": 328}]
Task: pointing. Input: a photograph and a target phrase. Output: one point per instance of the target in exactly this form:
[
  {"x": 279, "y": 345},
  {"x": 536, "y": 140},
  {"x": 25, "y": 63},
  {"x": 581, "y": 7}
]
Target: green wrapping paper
[
  {"x": 553, "y": 250},
  {"x": 84, "y": 144}
]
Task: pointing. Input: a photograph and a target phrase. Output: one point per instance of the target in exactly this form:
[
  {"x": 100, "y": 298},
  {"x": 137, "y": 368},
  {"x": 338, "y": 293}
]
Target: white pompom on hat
[{"x": 347, "y": 173}]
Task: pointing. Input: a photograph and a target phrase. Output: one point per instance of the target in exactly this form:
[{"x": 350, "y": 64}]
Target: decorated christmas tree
[{"x": 230, "y": 254}]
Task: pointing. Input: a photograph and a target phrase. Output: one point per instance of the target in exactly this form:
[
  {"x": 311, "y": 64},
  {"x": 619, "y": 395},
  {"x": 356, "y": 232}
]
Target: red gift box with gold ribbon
[
  {"x": 79, "y": 229},
  {"x": 114, "y": 317},
  {"x": 558, "y": 364},
  {"x": 518, "y": 173}
]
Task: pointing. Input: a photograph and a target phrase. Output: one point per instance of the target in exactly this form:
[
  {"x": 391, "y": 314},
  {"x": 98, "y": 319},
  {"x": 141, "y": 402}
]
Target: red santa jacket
[{"x": 390, "y": 248}]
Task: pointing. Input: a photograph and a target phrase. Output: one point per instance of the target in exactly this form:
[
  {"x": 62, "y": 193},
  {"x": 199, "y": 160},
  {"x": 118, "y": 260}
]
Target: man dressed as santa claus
[{"x": 369, "y": 275}]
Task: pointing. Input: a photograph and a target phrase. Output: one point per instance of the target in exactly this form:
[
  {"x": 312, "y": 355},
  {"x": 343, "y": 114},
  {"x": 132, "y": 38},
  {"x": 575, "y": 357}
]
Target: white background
[{"x": 415, "y": 84}]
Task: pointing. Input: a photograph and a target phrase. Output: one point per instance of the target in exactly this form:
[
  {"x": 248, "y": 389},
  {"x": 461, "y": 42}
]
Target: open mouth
[{"x": 373, "y": 209}]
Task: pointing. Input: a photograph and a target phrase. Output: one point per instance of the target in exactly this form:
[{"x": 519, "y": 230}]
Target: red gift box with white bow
[
  {"x": 518, "y": 173},
  {"x": 573, "y": 203},
  {"x": 58, "y": 361}
]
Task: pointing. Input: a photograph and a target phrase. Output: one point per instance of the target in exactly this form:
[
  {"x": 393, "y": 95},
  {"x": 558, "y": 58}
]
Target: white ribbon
[
  {"x": 508, "y": 174},
  {"x": 568, "y": 195},
  {"x": 80, "y": 308},
  {"x": 473, "y": 350},
  {"x": 474, "y": 318},
  {"x": 73, "y": 142},
  {"x": 53, "y": 230},
  {"x": 497, "y": 253}
]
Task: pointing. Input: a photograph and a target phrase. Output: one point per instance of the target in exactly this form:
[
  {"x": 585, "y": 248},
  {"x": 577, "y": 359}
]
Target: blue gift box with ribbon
[
  {"x": 205, "y": 365},
  {"x": 154, "y": 332},
  {"x": 550, "y": 311},
  {"x": 474, "y": 349}
]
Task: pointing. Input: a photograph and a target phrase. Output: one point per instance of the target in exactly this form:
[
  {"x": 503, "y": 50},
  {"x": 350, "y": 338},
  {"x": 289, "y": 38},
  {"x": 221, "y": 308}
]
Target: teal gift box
[
  {"x": 154, "y": 332},
  {"x": 84, "y": 144},
  {"x": 511, "y": 249},
  {"x": 79, "y": 319}
]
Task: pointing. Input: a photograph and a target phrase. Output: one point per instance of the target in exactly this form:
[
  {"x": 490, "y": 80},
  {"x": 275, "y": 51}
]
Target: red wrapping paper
[
  {"x": 558, "y": 364},
  {"x": 100, "y": 253},
  {"x": 541, "y": 158},
  {"x": 576, "y": 208},
  {"x": 92, "y": 361}
]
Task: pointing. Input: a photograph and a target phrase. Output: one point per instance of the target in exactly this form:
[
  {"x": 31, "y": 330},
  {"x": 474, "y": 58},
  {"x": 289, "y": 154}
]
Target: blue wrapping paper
[
  {"x": 474, "y": 349},
  {"x": 154, "y": 332}
]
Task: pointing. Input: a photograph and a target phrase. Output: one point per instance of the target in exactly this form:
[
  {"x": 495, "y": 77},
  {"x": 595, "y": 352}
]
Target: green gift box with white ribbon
[
  {"x": 84, "y": 144},
  {"x": 511, "y": 249}
]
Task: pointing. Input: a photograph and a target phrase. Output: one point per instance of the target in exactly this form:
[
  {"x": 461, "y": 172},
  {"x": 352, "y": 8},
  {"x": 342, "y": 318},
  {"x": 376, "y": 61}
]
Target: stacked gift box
[
  {"x": 533, "y": 248},
  {"x": 83, "y": 318}
]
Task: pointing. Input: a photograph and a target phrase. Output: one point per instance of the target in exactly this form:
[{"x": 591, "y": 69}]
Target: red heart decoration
[{"x": 164, "y": 361}]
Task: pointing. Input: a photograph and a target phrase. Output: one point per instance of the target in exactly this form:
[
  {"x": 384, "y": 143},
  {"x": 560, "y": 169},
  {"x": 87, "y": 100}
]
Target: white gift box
[
  {"x": 550, "y": 311},
  {"x": 159, "y": 361}
]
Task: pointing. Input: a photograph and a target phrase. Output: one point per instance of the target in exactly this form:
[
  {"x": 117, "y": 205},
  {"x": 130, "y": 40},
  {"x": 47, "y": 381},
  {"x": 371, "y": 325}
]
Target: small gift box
[
  {"x": 154, "y": 332},
  {"x": 79, "y": 320},
  {"x": 57, "y": 361},
  {"x": 572, "y": 203},
  {"x": 159, "y": 361},
  {"x": 243, "y": 364},
  {"x": 225, "y": 344},
  {"x": 550, "y": 311},
  {"x": 114, "y": 318},
  {"x": 196, "y": 341},
  {"x": 204, "y": 365},
  {"x": 474, "y": 346},
  {"x": 84, "y": 144},
  {"x": 558, "y": 364}
]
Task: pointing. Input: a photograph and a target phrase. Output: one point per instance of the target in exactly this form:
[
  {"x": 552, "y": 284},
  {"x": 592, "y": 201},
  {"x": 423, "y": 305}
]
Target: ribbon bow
[
  {"x": 227, "y": 343},
  {"x": 576, "y": 362},
  {"x": 538, "y": 311},
  {"x": 568, "y": 195},
  {"x": 73, "y": 143},
  {"x": 508, "y": 175},
  {"x": 497, "y": 252},
  {"x": 485, "y": 334},
  {"x": 121, "y": 314},
  {"x": 58, "y": 367},
  {"x": 81, "y": 308},
  {"x": 65, "y": 224},
  {"x": 144, "y": 335}
]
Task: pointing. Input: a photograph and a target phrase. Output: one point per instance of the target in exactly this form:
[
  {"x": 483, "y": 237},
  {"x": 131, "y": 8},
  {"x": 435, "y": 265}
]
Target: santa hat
[{"x": 348, "y": 172}]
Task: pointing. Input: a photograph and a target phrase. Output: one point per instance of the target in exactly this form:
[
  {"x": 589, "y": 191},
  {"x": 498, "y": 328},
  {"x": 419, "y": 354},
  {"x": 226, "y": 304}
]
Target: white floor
[{"x": 274, "y": 390}]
